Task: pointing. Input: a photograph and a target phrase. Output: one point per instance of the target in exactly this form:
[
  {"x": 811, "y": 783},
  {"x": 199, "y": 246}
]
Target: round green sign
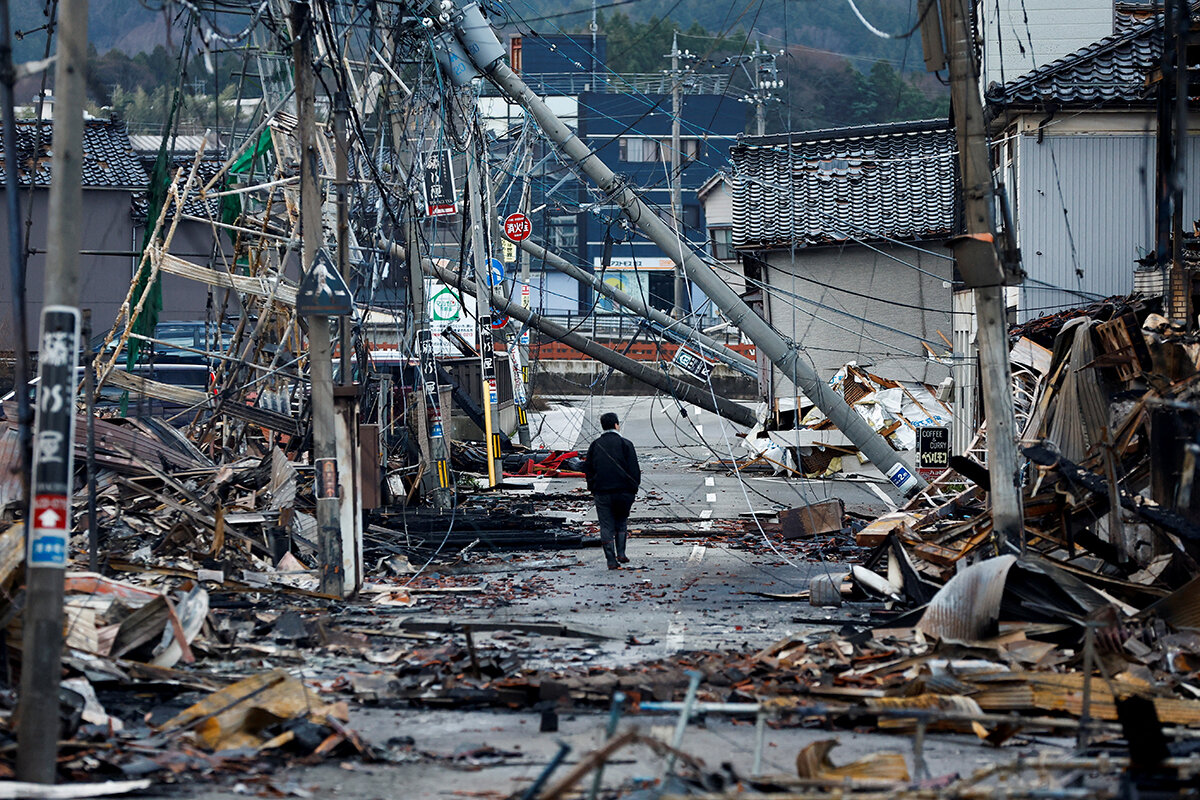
[{"x": 445, "y": 306}]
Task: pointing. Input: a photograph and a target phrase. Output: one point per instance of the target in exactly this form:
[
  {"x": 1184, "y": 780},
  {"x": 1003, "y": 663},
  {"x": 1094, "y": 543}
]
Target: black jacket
[{"x": 612, "y": 465}]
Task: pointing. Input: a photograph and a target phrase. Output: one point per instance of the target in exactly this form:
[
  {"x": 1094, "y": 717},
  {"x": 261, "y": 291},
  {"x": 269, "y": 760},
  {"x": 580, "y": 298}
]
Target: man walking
[{"x": 613, "y": 477}]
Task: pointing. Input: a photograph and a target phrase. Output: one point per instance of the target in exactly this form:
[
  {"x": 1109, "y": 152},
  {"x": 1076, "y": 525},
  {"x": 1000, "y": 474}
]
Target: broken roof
[
  {"x": 1115, "y": 70},
  {"x": 835, "y": 185},
  {"x": 109, "y": 161}
]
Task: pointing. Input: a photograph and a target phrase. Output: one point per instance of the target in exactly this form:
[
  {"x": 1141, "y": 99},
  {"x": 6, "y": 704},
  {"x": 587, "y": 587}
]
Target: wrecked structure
[{"x": 300, "y": 535}]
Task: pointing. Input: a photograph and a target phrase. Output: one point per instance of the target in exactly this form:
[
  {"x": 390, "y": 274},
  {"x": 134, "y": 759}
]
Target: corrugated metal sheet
[
  {"x": 1105, "y": 184},
  {"x": 967, "y": 608}
]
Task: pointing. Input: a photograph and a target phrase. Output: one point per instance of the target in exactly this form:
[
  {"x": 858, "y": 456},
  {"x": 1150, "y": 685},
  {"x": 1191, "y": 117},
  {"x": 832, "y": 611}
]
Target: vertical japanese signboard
[
  {"x": 53, "y": 450},
  {"x": 933, "y": 451},
  {"x": 433, "y": 405},
  {"x": 438, "y": 177}
]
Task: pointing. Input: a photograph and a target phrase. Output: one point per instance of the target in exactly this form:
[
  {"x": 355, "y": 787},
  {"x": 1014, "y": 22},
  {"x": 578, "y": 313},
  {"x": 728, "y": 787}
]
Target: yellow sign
[{"x": 509, "y": 251}]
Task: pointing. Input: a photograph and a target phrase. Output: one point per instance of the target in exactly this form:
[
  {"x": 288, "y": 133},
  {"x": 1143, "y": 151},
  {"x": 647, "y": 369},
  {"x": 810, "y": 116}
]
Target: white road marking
[
  {"x": 706, "y": 513},
  {"x": 711, "y": 497},
  {"x": 699, "y": 430},
  {"x": 710, "y": 481},
  {"x": 697, "y": 555}
]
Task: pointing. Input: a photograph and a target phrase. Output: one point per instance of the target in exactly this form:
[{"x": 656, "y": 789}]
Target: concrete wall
[
  {"x": 1055, "y": 28},
  {"x": 834, "y": 327}
]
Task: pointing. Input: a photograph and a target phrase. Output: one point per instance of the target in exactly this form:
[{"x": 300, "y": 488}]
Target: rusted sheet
[{"x": 968, "y": 606}]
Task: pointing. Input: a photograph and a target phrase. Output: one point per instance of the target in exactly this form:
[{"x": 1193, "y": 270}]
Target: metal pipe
[
  {"x": 614, "y": 716},
  {"x": 685, "y": 713},
  {"x": 673, "y": 328},
  {"x": 656, "y": 378},
  {"x": 536, "y": 786},
  {"x": 785, "y": 355}
]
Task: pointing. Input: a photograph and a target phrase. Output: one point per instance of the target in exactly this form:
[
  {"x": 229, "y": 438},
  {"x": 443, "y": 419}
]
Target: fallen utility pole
[
  {"x": 480, "y": 42},
  {"x": 320, "y": 349},
  {"x": 49, "y": 520},
  {"x": 647, "y": 374},
  {"x": 978, "y": 261},
  {"x": 706, "y": 344}
]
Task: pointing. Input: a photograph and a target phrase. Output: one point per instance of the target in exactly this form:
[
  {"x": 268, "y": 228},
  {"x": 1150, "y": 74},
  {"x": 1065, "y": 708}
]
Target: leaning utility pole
[
  {"x": 673, "y": 329},
  {"x": 978, "y": 259},
  {"x": 522, "y": 342},
  {"x": 488, "y": 55},
  {"x": 320, "y": 349},
  {"x": 48, "y": 526},
  {"x": 649, "y": 374}
]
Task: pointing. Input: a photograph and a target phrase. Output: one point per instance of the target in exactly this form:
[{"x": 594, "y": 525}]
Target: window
[
  {"x": 721, "y": 242},
  {"x": 689, "y": 149},
  {"x": 564, "y": 233},
  {"x": 636, "y": 149},
  {"x": 514, "y": 54}
]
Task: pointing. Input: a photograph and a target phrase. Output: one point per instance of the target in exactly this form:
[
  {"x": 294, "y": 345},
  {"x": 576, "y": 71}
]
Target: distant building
[
  {"x": 846, "y": 230},
  {"x": 112, "y": 180},
  {"x": 1074, "y": 144},
  {"x": 115, "y": 182}
]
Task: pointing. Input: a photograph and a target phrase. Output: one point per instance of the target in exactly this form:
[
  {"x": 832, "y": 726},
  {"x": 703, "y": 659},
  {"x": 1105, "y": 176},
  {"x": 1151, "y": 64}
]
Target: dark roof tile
[
  {"x": 830, "y": 186},
  {"x": 108, "y": 160},
  {"x": 1114, "y": 70}
]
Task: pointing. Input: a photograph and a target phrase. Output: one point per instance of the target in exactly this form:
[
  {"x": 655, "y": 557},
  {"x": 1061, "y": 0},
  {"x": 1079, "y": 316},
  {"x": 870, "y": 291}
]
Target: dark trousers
[{"x": 613, "y": 512}]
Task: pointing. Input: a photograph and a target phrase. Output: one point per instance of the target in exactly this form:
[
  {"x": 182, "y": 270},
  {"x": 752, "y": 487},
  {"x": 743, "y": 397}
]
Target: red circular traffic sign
[{"x": 517, "y": 227}]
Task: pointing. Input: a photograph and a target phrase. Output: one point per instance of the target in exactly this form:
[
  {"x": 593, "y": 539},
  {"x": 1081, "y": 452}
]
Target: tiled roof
[
  {"x": 108, "y": 160},
  {"x": 830, "y": 186},
  {"x": 1112, "y": 70}
]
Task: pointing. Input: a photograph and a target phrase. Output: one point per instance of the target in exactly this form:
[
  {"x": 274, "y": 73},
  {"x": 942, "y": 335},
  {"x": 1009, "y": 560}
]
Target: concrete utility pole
[
  {"x": 320, "y": 349},
  {"x": 979, "y": 263},
  {"x": 1172, "y": 119},
  {"x": 48, "y": 525},
  {"x": 784, "y": 354},
  {"x": 438, "y": 480},
  {"x": 766, "y": 80},
  {"x": 679, "y": 308},
  {"x": 345, "y": 394},
  {"x": 487, "y": 350}
]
